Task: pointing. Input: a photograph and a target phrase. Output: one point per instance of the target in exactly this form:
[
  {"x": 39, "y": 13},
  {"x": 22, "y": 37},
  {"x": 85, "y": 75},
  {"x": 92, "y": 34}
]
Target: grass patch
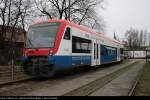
[{"x": 143, "y": 87}]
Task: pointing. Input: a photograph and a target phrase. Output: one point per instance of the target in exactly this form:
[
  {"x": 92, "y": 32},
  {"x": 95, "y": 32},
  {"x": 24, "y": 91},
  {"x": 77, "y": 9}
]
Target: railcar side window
[
  {"x": 97, "y": 51},
  {"x": 108, "y": 51},
  {"x": 80, "y": 45},
  {"x": 67, "y": 34},
  {"x": 102, "y": 50},
  {"x": 121, "y": 51}
]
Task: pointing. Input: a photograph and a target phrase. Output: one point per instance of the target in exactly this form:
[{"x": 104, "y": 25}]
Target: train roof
[{"x": 81, "y": 27}]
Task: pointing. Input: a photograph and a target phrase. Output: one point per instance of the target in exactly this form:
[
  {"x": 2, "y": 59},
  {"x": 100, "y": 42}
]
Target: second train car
[{"x": 58, "y": 45}]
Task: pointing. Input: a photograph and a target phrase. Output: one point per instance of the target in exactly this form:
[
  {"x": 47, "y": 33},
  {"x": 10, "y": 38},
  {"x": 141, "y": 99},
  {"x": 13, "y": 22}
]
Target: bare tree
[
  {"x": 13, "y": 14},
  {"x": 141, "y": 38},
  {"x": 136, "y": 38},
  {"x": 3, "y": 6},
  {"x": 78, "y": 11},
  {"x": 132, "y": 37}
]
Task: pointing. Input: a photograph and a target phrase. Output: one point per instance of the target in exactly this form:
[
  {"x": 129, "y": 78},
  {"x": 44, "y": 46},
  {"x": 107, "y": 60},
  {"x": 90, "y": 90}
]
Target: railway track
[
  {"x": 8, "y": 78},
  {"x": 18, "y": 76},
  {"x": 131, "y": 92},
  {"x": 31, "y": 84},
  {"x": 2, "y": 74}
]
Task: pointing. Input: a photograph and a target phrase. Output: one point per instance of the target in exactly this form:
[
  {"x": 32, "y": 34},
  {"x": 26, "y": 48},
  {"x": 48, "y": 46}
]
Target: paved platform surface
[{"x": 121, "y": 86}]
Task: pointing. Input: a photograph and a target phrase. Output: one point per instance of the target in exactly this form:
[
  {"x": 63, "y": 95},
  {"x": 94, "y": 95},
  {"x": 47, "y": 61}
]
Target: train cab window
[{"x": 67, "y": 34}]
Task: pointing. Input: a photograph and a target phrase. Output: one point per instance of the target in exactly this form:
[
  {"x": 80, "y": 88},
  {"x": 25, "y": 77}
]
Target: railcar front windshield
[{"x": 42, "y": 35}]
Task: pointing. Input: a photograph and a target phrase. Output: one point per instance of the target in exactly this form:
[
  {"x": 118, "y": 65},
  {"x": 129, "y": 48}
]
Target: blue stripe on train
[{"x": 63, "y": 62}]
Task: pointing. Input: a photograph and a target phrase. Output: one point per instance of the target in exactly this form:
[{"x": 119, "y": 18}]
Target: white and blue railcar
[{"x": 60, "y": 45}]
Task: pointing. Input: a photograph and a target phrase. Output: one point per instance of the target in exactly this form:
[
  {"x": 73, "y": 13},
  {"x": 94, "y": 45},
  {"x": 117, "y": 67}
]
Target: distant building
[{"x": 19, "y": 34}]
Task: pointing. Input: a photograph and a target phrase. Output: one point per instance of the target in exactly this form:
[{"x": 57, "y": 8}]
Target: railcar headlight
[{"x": 50, "y": 52}]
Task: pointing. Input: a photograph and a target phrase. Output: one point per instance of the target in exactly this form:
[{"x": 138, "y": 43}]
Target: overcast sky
[{"x": 120, "y": 15}]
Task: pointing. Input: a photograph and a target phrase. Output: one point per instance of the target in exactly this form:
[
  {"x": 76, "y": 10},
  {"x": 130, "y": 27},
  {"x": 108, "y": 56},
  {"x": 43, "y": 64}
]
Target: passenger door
[
  {"x": 95, "y": 53},
  {"x": 65, "y": 47},
  {"x": 118, "y": 54}
]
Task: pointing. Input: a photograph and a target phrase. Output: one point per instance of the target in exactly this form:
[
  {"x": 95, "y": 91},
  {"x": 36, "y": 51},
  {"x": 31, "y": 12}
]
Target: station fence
[{"x": 10, "y": 62}]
